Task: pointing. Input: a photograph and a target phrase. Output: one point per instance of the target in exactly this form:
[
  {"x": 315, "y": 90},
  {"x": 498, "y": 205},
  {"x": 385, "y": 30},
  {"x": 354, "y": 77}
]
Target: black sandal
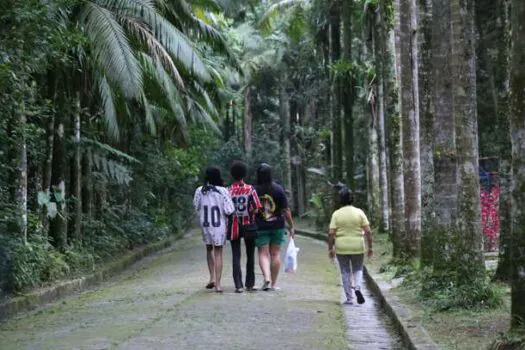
[{"x": 210, "y": 285}]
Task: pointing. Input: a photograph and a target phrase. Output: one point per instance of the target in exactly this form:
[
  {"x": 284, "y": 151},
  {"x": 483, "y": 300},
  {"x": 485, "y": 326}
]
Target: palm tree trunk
[
  {"x": 58, "y": 224},
  {"x": 247, "y": 122},
  {"x": 76, "y": 178},
  {"x": 381, "y": 66},
  {"x": 337, "y": 149},
  {"x": 517, "y": 126},
  {"x": 373, "y": 162},
  {"x": 87, "y": 184},
  {"x": 48, "y": 168},
  {"x": 426, "y": 129},
  {"x": 444, "y": 145},
  {"x": 21, "y": 193},
  {"x": 284, "y": 106},
  {"x": 396, "y": 156},
  {"x": 410, "y": 124},
  {"x": 348, "y": 95},
  {"x": 471, "y": 267}
]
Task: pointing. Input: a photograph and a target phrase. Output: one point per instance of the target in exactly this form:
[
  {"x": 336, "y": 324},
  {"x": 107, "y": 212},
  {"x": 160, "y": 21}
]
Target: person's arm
[
  {"x": 331, "y": 243},
  {"x": 289, "y": 221},
  {"x": 368, "y": 236},
  {"x": 332, "y": 230}
]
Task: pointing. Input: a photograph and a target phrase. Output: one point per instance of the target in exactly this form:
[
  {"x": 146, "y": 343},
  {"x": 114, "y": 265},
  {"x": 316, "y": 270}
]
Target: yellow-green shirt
[{"x": 348, "y": 223}]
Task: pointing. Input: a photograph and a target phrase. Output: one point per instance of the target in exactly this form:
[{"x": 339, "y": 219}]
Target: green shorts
[{"x": 276, "y": 237}]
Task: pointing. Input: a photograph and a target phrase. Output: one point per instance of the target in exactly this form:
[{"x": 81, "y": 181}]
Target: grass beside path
[{"x": 161, "y": 303}]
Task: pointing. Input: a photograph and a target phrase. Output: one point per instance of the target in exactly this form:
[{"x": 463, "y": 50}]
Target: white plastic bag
[{"x": 290, "y": 262}]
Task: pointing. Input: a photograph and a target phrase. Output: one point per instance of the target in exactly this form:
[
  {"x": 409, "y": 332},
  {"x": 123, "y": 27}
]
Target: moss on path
[{"x": 160, "y": 303}]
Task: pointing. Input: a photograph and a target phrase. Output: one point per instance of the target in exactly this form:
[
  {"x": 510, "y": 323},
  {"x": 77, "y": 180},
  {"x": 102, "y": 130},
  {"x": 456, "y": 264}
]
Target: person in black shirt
[{"x": 271, "y": 225}]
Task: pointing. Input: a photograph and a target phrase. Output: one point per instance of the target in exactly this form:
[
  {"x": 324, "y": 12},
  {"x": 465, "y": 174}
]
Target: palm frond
[
  {"x": 110, "y": 113},
  {"x": 149, "y": 120},
  {"x": 155, "y": 69},
  {"x": 204, "y": 117},
  {"x": 276, "y": 10},
  {"x": 154, "y": 47},
  {"x": 107, "y": 149},
  {"x": 177, "y": 44},
  {"x": 174, "y": 41},
  {"x": 111, "y": 49}
]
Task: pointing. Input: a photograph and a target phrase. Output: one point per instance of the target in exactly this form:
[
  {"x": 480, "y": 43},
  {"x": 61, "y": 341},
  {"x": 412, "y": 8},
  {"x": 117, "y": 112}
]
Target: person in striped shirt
[{"x": 246, "y": 204}]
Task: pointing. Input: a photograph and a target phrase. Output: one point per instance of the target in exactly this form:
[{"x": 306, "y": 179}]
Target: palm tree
[
  {"x": 444, "y": 150},
  {"x": 517, "y": 123},
  {"x": 471, "y": 266},
  {"x": 141, "y": 58},
  {"x": 409, "y": 100}
]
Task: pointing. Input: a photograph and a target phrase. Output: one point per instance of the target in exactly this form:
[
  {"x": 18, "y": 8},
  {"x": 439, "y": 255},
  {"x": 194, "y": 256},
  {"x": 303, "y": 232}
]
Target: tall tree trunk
[
  {"x": 58, "y": 224},
  {"x": 410, "y": 124},
  {"x": 370, "y": 108},
  {"x": 396, "y": 154},
  {"x": 381, "y": 67},
  {"x": 21, "y": 193},
  {"x": 373, "y": 162},
  {"x": 517, "y": 127},
  {"x": 48, "y": 168},
  {"x": 504, "y": 269},
  {"x": 337, "y": 150},
  {"x": 247, "y": 122},
  {"x": 76, "y": 177},
  {"x": 471, "y": 266},
  {"x": 444, "y": 145},
  {"x": 348, "y": 95},
  {"x": 426, "y": 127},
  {"x": 284, "y": 107},
  {"x": 87, "y": 184}
]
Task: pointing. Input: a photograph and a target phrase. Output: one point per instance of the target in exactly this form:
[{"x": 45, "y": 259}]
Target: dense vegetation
[{"x": 111, "y": 108}]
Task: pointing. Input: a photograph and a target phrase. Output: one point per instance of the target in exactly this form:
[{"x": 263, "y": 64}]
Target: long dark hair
[
  {"x": 264, "y": 175},
  {"x": 212, "y": 178}
]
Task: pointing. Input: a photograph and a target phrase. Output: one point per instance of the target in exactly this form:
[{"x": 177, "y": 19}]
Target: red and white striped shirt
[{"x": 246, "y": 201}]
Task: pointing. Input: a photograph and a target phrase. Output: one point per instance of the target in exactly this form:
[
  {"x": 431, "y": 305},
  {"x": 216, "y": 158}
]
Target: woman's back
[{"x": 348, "y": 223}]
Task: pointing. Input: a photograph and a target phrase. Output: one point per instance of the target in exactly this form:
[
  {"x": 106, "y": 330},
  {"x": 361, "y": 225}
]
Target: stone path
[{"x": 160, "y": 303}]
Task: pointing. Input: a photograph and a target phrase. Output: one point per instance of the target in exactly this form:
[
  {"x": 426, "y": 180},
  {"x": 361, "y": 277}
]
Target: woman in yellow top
[{"x": 347, "y": 227}]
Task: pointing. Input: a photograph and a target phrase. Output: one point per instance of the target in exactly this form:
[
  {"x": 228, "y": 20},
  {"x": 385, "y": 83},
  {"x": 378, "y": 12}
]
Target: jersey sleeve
[
  {"x": 197, "y": 200},
  {"x": 255, "y": 197},
  {"x": 227, "y": 203}
]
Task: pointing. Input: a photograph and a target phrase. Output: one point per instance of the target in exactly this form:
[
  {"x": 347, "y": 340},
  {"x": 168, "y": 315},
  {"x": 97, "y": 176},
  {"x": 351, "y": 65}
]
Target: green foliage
[
  {"x": 28, "y": 264},
  {"x": 442, "y": 292},
  {"x": 512, "y": 340}
]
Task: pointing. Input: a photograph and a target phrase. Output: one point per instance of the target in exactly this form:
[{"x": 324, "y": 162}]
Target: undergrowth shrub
[{"x": 442, "y": 291}]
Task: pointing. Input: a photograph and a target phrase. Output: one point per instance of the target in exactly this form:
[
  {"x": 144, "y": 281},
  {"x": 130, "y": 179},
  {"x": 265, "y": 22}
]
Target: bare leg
[
  {"x": 264, "y": 262},
  {"x": 218, "y": 268},
  {"x": 275, "y": 252},
  {"x": 211, "y": 262}
]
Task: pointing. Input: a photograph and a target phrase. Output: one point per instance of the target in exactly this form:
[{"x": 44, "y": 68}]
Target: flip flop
[
  {"x": 210, "y": 285},
  {"x": 266, "y": 286},
  {"x": 218, "y": 291}
]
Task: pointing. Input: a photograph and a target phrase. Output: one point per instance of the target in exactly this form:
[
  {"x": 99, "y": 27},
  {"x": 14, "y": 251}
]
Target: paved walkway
[{"x": 160, "y": 303}]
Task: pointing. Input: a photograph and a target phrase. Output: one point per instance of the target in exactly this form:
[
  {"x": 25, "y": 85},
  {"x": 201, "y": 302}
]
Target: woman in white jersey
[{"x": 213, "y": 204}]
